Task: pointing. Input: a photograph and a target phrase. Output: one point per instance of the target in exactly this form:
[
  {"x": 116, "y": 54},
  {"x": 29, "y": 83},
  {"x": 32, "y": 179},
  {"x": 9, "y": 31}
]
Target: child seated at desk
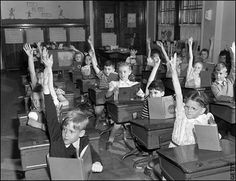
[
  {"x": 105, "y": 76},
  {"x": 71, "y": 140},
  {"x": 124, "y": 72},
  {"x": 154, "y": 88},
  {"x": 194, "y": 110},
  {"x": 223, "y": 87},
  {"x": 193, "y": 79}
]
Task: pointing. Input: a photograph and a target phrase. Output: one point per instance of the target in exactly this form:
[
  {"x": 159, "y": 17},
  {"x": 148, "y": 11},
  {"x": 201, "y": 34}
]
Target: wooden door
[
  {"x": 124, "y": 31},
  {"x": 132, "y": 25}
]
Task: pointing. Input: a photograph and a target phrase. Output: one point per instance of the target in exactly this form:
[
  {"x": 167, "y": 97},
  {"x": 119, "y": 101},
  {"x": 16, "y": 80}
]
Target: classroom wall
[
  {"x": 42, "y": 9},
  {"x": 228, "y": 24},
  {"x": 151, "y": 20},
  {"x": 221, "y": 26}
]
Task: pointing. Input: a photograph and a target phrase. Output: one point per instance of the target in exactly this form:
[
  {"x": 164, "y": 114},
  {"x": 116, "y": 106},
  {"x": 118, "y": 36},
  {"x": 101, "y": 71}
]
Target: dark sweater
[{"x": 57, "y": 145}]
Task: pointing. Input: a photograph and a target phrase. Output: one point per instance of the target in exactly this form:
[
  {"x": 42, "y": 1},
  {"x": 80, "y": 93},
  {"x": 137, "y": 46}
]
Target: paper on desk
[
  {"x": 108, "y": 39},
  {"x": 13, "y": 36}
]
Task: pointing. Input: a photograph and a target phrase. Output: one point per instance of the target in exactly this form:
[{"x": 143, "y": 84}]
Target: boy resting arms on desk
[
  {"x": 223, "y": 87},
  {"x": 71, "y": 140}
]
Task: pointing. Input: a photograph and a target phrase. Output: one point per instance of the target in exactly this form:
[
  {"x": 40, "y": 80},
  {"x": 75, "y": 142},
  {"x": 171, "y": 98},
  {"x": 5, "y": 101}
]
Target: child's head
[
  {"x": 224, "y": 56},
  {"x": 220, "y": 71},
  {"x": 37, "y": 97},
  {"x": 196, "y": 104},
  {"x": 73, "y": 126},
  {"x": 88, "y": 59},
  {"x": 156, "y": 88},
  {"x": 198, "y": 66},
  {"x": 124, "y": 71},
  {"x": 78, "y": 57},
  {"x": 204, "y": 53},
  {"x": 155, "y": 53},
  {"x": 109, "y": 67}
]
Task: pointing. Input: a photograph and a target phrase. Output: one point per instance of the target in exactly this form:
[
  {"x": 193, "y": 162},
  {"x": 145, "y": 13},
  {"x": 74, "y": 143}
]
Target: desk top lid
[
  {"x": 154, "y": 124},
  {"x": 31, "y": 137},
  {"x": 191, "y": 159}
]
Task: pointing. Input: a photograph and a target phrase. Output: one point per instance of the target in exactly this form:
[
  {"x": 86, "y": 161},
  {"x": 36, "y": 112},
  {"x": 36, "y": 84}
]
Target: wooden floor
[{"x": 11, "y": 92}]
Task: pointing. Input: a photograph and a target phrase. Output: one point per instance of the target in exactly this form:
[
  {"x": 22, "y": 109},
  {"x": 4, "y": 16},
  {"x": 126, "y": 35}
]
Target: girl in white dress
[{"x": 193, "y": 111}]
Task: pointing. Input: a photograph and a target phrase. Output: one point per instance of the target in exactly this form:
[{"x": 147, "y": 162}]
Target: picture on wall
[
  {"x": 131, "y": 20},
  {"x": 109, "y": 20}
]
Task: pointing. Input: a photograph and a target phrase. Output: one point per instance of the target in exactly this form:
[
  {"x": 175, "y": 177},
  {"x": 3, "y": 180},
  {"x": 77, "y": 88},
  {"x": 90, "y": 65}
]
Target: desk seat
[
  {"x": 124, "y": 111},
  {"x": 190, "y": 163},
  {"x": 152, "y": 133},
  {"x": 97, "y": 96},
  {"x": 224, "y": 110}
]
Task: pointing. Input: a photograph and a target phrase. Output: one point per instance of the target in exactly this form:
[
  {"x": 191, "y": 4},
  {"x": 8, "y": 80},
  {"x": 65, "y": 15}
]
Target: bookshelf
[
  {"x": 190, "y": 12},
  {"x": 180, "y": 19}
]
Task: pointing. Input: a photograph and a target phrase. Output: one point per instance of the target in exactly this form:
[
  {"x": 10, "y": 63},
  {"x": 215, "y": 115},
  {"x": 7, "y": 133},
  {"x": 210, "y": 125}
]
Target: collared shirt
[
  {"x": 104, "y": 80},
  {"x": 223, "y": 88}
]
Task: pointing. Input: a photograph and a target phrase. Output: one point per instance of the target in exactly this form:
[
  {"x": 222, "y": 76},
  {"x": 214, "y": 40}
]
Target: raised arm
[
  {"x": 93, "y": 55},
  {"x": 153, "y": 74},
  {"x": 190, "y": 63},
  {"x": 149, "y": 47},
  {"x": 176, "y": 84},
  {"x": 48, "y": 61},
  {"x": 211, "y": 48},
  {"x": 232, "y": 70},
  {"x": 28, "y": 50},
  {"x": 160, "y": 44}
]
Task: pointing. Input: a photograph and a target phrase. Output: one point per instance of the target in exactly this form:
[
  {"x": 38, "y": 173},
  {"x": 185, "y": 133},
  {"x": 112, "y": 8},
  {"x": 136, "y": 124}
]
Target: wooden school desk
[
  {"x": 97, "y": 96},
  {"x": 124, "y": 111},
  {"x": 151, "y": 134},
  {"x": 85, "y": 84},
  {"x": 224, "y": 111},
  {"x": 34, "y": 146},
  {"x": 190, "y": 163}
]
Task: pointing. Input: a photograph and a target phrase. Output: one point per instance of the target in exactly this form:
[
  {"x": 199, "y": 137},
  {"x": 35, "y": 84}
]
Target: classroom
[{"x": 118, "y": 90}]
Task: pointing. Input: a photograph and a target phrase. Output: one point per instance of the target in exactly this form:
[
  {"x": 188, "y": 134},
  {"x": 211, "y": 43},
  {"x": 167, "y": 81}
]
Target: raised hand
[
  {"x": 148, "y": 41},
  {"x": 190, "y": 41},
  {"x": 160, "y": 44},
  {"x": 89, "y": 40},
  {"x": 72, "y": 47},
  {"x": 173, "y": 62},
  {"x": 39, "y": 47},
  {"x": 48, "y": 61},
  {"x": 233, "y": 48},
  {"x": 28, "y": 50},
  {"x": 133, "y": 52}
]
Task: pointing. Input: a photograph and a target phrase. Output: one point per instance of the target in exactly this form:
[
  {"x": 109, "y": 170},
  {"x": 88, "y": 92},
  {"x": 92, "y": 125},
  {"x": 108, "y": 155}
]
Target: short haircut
[
  {"x": 153, "y": 51},
  {"x": 199, "y": 97},
  {"x": 204, "y": 50},
  {"x": 199, "y": 63},
  {"x": 109, "y": 63},
  {"x": 124, "y": 64},
  {"x": 81, "y": 53},
  {"x": 219, "y": 66},
  {"x": 157, "y": 85},
  {"x": 78, "y": 118}
]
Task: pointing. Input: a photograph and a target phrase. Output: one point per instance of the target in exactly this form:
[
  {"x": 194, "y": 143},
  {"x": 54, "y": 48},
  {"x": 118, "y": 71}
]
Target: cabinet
[{"x": 179, "y": 20}]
